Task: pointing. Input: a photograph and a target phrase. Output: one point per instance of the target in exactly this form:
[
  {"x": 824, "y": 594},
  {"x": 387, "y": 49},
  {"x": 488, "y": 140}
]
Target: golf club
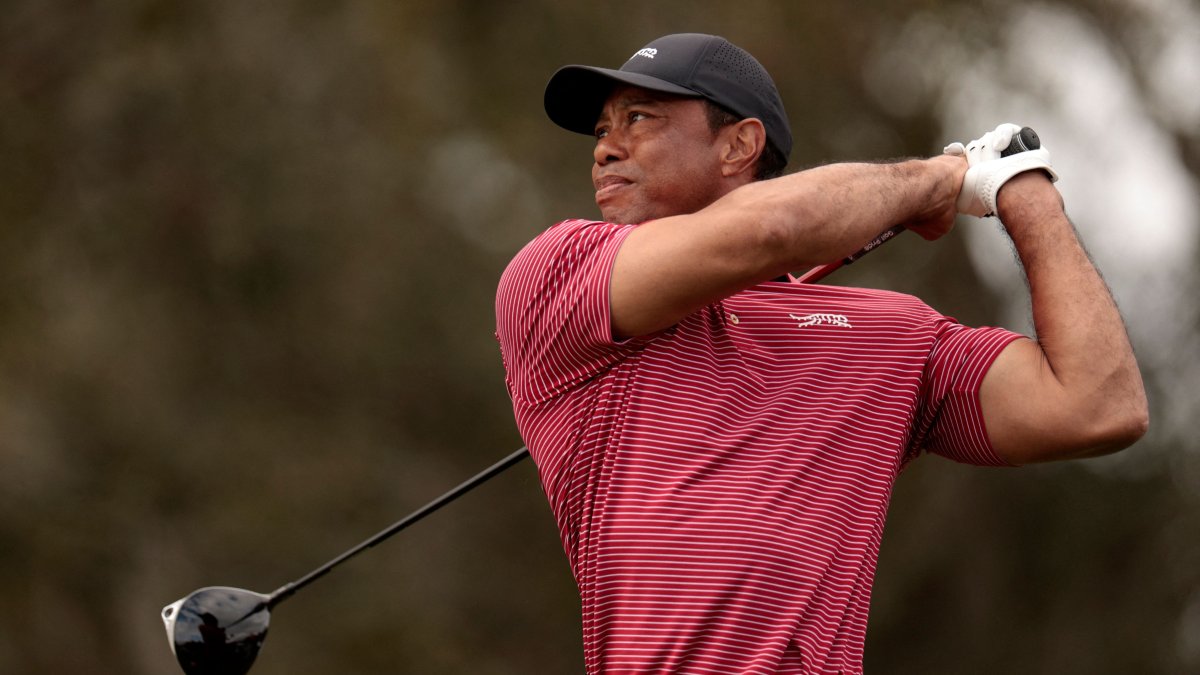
[{"x": 219, "y": 630}]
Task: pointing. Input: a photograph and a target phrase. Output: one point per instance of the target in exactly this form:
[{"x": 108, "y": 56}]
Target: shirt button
[{"x": 732, "y": 318}]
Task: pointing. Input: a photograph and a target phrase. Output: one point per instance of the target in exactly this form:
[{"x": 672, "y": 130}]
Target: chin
[
  {"x": 624, "y": 217},
  {"x": 614, "y": 217}
]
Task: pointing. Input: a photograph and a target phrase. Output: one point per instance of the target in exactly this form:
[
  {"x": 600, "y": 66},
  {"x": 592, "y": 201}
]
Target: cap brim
[{"x": 576, "y": 94}]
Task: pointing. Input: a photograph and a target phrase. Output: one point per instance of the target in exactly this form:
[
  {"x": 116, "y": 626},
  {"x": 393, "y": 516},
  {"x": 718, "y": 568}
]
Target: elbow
[
  {"x": 1117, "y": 416},
  {"x": 1131, "y": 415},
  {"x": 1088, "y": 432},
  {"x": 1114, "y": 430},
  {"x": 1131, "y": 427}
]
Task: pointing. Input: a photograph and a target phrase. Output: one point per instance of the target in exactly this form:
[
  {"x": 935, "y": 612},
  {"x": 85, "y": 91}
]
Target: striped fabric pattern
[{"x": 721, "y": 487}]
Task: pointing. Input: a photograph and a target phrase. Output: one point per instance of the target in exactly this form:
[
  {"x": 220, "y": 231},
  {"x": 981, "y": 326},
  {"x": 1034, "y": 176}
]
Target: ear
[{"x": 745, "y": 141}]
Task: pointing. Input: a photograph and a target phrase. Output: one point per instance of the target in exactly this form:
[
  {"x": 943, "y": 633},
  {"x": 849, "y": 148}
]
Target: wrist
[
  {"x": 946, "y": 174},
  {"x": 1028, "y": 197}
]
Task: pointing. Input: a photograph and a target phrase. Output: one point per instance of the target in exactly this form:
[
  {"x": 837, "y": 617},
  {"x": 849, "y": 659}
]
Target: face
[{"x": 655, "y": 156}]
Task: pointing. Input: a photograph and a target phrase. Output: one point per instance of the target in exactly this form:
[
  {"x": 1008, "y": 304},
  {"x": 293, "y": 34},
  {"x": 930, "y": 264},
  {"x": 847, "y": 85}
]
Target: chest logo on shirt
[{"x": 822, "y": 320}]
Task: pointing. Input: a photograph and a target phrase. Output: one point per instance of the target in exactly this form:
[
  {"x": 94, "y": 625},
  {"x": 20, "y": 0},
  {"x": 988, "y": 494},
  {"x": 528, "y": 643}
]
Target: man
[{"x": 718, "y": 443}]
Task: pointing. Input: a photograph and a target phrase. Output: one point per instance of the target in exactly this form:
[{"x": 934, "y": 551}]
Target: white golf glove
[{"x": 987, "y": 170}]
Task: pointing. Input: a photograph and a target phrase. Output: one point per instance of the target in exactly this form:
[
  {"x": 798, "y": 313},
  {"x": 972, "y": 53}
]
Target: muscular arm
[
  {"x": 669, "y": 268},
  {"x": 1076, "y": 391}
]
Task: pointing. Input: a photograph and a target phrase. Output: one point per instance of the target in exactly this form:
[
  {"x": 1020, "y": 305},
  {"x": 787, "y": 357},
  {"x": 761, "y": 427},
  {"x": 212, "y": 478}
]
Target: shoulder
[
  {"x": 572, "y": 229},
  {"x": 562, "y": 245}
]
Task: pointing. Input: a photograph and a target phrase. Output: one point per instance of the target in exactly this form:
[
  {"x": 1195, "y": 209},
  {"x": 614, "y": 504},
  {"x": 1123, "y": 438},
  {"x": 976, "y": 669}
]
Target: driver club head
[{"x": 217, "y": 630}]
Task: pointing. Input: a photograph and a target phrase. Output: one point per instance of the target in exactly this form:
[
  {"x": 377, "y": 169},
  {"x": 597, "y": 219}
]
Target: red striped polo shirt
[{"x": 721, "y": 487}]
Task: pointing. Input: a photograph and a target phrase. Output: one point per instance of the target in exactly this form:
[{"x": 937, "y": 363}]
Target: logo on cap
[{"x": 647, "y": 52}]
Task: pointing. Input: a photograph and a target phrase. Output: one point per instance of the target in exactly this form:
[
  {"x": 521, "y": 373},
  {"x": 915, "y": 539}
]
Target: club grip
[{"x": 1025, "y": 139}]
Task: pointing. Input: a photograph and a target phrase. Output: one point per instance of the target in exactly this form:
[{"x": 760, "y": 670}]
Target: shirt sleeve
[
  {"x": 951, "y": 418},
  {"x": 553, "y": 320}
]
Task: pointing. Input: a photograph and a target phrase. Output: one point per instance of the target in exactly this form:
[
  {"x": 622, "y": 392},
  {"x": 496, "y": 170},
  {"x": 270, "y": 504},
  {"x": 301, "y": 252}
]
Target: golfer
[{"x": 718, "y": 442}]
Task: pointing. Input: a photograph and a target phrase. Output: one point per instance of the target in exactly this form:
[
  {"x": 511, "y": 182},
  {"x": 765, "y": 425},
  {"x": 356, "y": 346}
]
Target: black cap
[{"x": 686, "y": 64}]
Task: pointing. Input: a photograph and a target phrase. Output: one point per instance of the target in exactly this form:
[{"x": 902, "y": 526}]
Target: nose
[{"x": 609, "y": 148}]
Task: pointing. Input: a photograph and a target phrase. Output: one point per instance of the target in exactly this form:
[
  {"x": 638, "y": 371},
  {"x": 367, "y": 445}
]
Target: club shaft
[
  {"x": 284, "y": 592},
  {"x": 287, "y": 590}
]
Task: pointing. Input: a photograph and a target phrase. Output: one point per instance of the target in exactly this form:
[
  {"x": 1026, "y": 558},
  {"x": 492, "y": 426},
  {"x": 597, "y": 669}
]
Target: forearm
[
  {"x": 1101, "y": 403},
  {"x": 671, "y": 267},
  {"x": 823, "y": 214}
]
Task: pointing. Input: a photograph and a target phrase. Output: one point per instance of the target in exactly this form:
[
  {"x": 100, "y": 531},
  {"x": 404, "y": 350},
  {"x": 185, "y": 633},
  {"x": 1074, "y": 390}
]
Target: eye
[{"x": 631, "y": 117}]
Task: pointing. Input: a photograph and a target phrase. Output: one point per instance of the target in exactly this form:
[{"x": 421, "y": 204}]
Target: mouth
[{"x": 606, "y": 186}]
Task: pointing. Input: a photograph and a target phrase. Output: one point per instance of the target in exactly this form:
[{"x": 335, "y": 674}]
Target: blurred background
[{"x": 249, "y": 252}]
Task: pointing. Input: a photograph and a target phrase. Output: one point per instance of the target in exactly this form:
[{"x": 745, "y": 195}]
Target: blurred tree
[{"x": 249, "y": 255}]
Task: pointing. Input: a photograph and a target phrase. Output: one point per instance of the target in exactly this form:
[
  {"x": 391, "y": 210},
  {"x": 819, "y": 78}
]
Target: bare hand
[{"x": 938, "y": 217}]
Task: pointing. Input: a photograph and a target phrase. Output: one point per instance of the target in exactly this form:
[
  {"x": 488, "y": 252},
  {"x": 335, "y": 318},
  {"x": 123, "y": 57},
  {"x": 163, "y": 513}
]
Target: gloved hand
[{"x": 987, "y": 170}]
